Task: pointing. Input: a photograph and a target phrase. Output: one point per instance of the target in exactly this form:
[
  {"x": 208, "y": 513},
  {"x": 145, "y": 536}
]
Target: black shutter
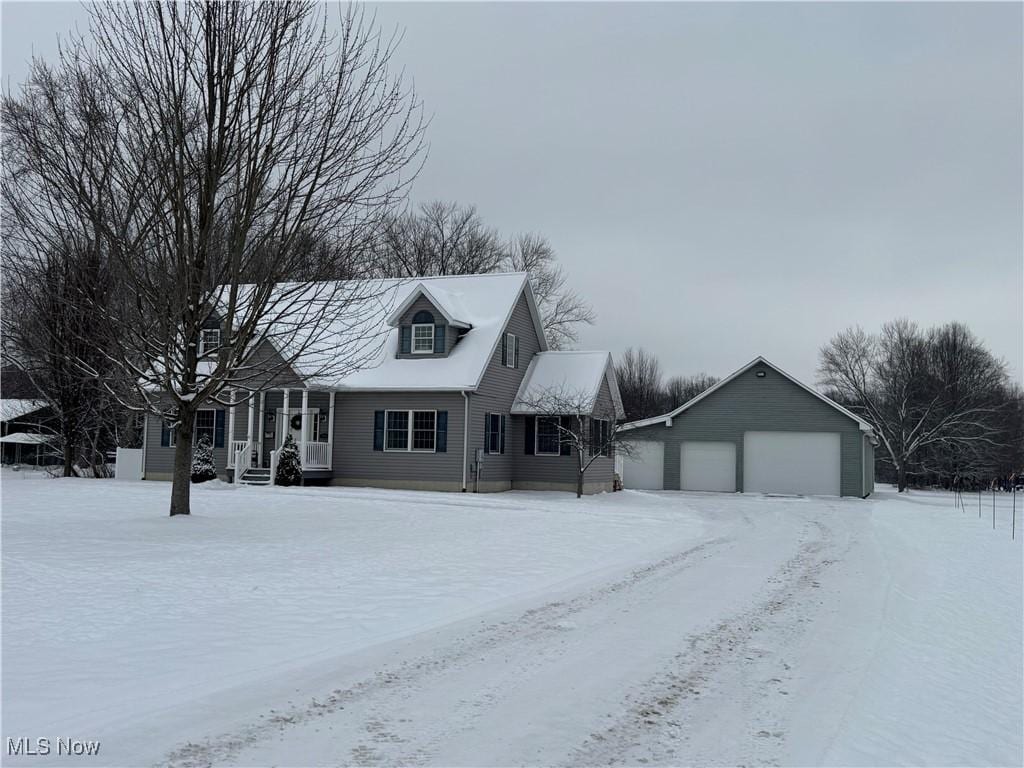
[
  {"x": 504, "y": 349},
  {"x": 502, "y": 434},
  {"x": 165, "y": 435},
  {"x": 405, "y": 345},
  {"x": 564, "y": 448},
  {"x": 439, "y": 339},
  {"x": 378, "y": 430},
  {"x": 515, "y": 353},
  {"x": 529, "y": 429},
  {"x": 218, "y": 429},
  {"x": 487, "y": 433},
  {"x": 441, "y": 435}
]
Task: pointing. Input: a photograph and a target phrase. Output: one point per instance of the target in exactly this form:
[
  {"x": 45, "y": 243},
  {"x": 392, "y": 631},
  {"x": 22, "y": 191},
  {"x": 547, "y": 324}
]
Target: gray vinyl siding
[
  {"x": 752, "y": 404},
  {"x": 160, "y": 460},
  {"x": 451, "y": 334},
  {"x": 496, "y": 394},
  {"x": 561, "y": 470},
  {"x": 355, "y": 459}
]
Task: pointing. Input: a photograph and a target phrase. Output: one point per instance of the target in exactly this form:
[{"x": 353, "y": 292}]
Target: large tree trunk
[
  {"x": 579, "y": 484},
  {"x": 901, "y": 476},
  {"x": 182, "y": 482},
  {"x": 69, "y": 457}
]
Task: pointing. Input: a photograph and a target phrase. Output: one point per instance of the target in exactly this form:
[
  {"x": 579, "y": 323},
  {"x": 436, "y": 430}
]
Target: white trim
[
  {"x": 502, "y": 421},
  {"x": 536, "y": 437},
  {"x": 409, "y": 430},
  {"x": 607, "y": 375},
  {"x": 421, "y": 290},
  {"x": 667, "y": 418},
  {"x": 510, "y": 350},
  {"x": 203, "y": 347},
  {"x": 330, "y": 424},
  {"x": 412, "y": 340},
  {"x": 283, "y": 424}
]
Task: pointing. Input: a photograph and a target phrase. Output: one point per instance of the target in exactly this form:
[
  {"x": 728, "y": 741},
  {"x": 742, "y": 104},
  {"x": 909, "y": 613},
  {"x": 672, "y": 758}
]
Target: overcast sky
[{"x": 723, "y": 181}]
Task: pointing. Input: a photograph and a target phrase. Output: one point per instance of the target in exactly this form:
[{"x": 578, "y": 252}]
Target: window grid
[
  {"x": 205, "y": 423},
  {"x": 423, "y": 430},
  {"x": 397, "y": 431},
  {"x": 548, "y": 436},
  {"x": 422, "y": 339},
  {"x": 209, "y": 340},
  {"x": 494, "y": 433}
]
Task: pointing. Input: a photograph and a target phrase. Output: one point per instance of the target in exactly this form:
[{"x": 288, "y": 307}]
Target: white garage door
[
  {"x": 644, "y": 468},
  {"x": 791, "y": 462},
  {"x": 707, "y": 466}
]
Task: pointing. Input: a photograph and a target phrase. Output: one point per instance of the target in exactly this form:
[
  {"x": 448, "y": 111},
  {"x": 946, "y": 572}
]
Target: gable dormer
[{"x": 427, "y": 325}]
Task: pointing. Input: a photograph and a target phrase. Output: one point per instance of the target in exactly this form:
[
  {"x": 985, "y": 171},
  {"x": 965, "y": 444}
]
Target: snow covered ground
[{"x": 350, "y": 626}]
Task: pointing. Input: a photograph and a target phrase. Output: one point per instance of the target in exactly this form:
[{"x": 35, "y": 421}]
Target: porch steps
[{"x": 255, "y": 476}]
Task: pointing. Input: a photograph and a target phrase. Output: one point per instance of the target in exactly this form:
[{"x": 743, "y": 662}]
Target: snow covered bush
[
  {"x": 203, "y": 468},
  {"x": 289, "y": 465}
]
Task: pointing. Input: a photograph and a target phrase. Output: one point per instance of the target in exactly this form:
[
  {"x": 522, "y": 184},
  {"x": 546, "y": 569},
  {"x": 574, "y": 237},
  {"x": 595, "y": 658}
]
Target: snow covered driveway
[{"x": 328, "y": 626}]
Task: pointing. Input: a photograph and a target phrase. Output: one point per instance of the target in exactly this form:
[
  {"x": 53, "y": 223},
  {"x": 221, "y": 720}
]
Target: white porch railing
[
  {"x": 234, "y": 448},
  {"x": 318, "y": 456}
]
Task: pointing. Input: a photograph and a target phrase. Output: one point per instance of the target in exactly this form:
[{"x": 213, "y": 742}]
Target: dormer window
[
  {"x": 209, "y": 340},
  {"x": 423, "y": 333}
]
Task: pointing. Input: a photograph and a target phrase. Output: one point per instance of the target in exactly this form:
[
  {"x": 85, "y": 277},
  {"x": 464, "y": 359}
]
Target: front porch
[{"x": 259, "y": 425}]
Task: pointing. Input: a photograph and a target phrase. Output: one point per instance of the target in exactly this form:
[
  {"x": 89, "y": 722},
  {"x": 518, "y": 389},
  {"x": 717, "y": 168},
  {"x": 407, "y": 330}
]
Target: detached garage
[{"x": 759, "y": 431}]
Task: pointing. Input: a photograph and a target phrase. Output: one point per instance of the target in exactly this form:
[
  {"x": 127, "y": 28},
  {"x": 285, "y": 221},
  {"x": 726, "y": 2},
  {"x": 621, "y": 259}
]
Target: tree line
[
  {"x": 942, "y": 406},
  {"x": 645, "y": 391}
]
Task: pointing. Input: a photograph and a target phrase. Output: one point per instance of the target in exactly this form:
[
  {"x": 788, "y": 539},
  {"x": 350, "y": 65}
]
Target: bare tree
[
  {"x": 588, "y": 430},
  {"x": 439, "y": 238},
  {"x": 681, "y": 389},
  {"x": 921, "y": 391},
  {"x": 562, "y": 308},
  {"x": 639, "y": 376},
  {"x": 210, "y": 148}
]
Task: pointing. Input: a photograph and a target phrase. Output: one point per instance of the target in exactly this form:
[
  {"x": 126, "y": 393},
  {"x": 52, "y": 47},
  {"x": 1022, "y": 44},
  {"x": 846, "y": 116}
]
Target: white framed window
[
  {"x": 548, "y": 436},
  {"x": 206, "y": 425},
  {"x": 494, "y": 437},
  {"x": 511, "y": 351},
  {"x": 599, "y": 432},
  {"x": 424, "y": 428},
  {"x": 396, "y": 431},
  {"x": 423, "y": 339},
  {"x": 410, "y": 431},
  {"x": 209, "y": 340}
]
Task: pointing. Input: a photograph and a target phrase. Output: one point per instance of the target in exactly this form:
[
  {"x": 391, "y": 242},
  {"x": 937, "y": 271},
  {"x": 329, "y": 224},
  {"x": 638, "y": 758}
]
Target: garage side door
[
  {"x": 644, "y": 468},
  {"x": 791, "y": 462},
  {"x": 707, "y": 466}
]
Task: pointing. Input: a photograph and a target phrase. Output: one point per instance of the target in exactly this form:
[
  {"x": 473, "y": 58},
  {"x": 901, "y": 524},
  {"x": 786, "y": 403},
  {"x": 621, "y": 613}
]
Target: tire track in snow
[
  {"x": 382, "y": 733},
  {"x": 658, "y": 724}
]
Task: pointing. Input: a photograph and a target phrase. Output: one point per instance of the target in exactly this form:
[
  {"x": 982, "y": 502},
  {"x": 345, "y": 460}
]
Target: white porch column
[
  {"x": 304, "y": 436},
  {"x": 248, "y": 407},
  {"x": 231, "y": 421},
  {"x": 259, "y": 429},
  {"x": 330, "y": 432},
  {"x": 286, "y": 426}
]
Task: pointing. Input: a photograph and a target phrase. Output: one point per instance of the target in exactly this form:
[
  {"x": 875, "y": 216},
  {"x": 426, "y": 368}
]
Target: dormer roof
[{"x": 448, "y": 303}]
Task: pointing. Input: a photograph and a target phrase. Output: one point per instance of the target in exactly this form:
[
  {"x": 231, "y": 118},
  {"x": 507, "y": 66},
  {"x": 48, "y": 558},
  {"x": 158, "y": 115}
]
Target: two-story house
[{"x": 449, "y": 404}]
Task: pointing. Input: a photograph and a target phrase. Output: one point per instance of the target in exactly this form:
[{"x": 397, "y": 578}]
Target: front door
[{"x": 292, "y": 425}]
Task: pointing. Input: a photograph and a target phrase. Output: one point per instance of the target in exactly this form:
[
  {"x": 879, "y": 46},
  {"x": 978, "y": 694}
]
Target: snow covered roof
[
  {"x": 15, "y": 408},
  {"x": 557, "y": 378},
  {"x": 667, "y": 417},
  {"x": 447, "y": 303},
  {"x": 358, "y": 349},
  {"x": 25, "y": 438}
]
